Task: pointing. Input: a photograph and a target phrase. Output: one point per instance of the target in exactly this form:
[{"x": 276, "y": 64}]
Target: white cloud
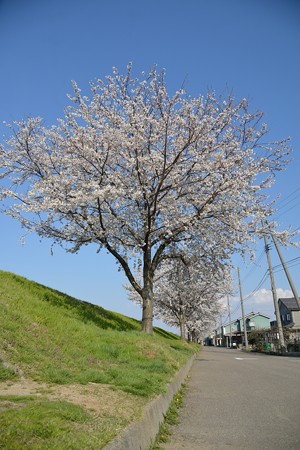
[
  {"x": 264, "y": 296},
  {"x": 261, "y": 301}
]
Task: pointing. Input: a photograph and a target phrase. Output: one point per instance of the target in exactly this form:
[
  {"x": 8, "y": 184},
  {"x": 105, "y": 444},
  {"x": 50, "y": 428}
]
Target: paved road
[{"x": 239, "y": 401}]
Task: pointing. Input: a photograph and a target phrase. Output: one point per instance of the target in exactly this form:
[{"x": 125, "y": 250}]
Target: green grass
[
  {"x": 27, "y": 422},
  {"x": 54, "y": 338},
  {"x": 6, "y": 373},
  {"x": 51, "y": 338}
]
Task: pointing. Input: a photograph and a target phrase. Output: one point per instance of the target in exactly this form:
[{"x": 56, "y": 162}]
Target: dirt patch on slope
[{"x": 98, "y": 399}]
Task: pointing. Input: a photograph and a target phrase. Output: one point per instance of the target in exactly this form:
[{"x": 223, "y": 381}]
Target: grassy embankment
[{"x": 73, "y": 375}]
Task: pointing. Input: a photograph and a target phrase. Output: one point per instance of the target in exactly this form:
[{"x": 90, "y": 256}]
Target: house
[
  {"x": 290, "y": 319},
  {"x": 254, "y": 321},
  {"x": 289, "y": 312}
]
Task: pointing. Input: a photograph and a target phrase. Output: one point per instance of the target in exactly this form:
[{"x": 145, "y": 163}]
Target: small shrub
[{"x": 58, "y": 376}]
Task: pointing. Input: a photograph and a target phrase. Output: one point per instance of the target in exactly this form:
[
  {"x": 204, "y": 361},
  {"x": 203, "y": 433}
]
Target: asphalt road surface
[{"x": 237, "y": 400}]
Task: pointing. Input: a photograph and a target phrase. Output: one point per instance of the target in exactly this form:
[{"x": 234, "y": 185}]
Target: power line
[
  {"x": 288, "y": 196},
  {"x": 265, "y": 276},
  {"x": 289, "y": 209},
  {"x": 291, "y": 263},
  {"x": 255, "y": 266},
  {"x": 287, "y": 262},
  {"x": 289, "y": 266},
  {"x": 236, "y": 309}
]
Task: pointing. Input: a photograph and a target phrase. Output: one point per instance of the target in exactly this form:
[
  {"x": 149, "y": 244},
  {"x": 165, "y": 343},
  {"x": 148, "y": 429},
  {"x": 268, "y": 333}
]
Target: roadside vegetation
[
  {"x": 73, "y": 373},
  {"x": 171, "y": 419}
]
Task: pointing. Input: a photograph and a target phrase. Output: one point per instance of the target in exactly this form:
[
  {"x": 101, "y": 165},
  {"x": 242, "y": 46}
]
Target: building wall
[
  {"x": 289, "y": 317},
  {"x": 261, "y": 322},
  {"x": 296, "y": 318},
  {"x": 233, "y": 328},
  {"x": 256, "y": 323}
]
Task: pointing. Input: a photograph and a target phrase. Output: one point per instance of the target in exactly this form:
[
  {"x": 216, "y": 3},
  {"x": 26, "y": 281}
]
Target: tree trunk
[
  {"x": 147, "y": 294},
  {"x": 148, "y": 300},
  {"x": 182, "y": 329},
  {"x": 147, "y": 319}
]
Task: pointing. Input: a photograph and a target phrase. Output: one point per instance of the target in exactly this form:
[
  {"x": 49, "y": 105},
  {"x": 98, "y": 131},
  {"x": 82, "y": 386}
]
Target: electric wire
[
  {"x": 285, "y": 203},
  {"x": 287, "y": 262},
  {"x": 282, "y": 204},
  {"x": 284, "y": 212},
  {"x": 254, "y": 267},
  {"x": 288, "y": 196},
  {"x": 284, "y": 200}
]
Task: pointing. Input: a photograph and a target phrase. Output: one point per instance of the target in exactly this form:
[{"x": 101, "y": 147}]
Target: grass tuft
[{"x": 6, "y": 373}]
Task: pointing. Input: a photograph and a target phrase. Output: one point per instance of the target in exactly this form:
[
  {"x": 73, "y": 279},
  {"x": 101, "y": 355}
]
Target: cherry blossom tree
[
  {"x": 142, "y": 174},
  {"x": 187, "y": 293},
  {"x": 200, "y": 325}
]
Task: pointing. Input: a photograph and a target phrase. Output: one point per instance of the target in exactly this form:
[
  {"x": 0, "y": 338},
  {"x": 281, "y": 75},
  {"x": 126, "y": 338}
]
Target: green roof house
[{"x": 254, "y": 321}]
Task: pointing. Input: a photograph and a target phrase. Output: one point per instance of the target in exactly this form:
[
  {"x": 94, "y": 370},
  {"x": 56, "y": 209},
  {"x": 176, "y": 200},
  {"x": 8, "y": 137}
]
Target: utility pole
[
  {"x": 275, "y": 300},
  {"x": 221, "y": 328},
  {"x": 293, "y": 288},
  {"x": 229, "y": 315},
  {"x": 242, "y": 307}
]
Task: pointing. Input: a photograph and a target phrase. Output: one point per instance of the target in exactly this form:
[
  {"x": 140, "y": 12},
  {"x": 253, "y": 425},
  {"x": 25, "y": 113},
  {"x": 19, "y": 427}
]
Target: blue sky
[{"x": 249, "y": 47}]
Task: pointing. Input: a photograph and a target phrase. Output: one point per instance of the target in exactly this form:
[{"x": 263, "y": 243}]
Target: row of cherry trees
[
  {"x": 144, "y": 175},
  {"x": 188, "y": 294}
]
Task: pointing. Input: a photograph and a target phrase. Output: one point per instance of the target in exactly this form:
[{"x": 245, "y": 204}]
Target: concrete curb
[{"x": 142, "y": 433}]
